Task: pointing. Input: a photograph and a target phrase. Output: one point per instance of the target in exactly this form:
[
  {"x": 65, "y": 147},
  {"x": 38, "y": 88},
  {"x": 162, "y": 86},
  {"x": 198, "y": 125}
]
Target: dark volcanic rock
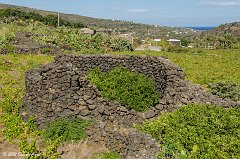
[{"x": 61, "y": 89}]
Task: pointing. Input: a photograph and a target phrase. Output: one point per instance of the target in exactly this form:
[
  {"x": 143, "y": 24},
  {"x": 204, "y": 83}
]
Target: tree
[{"x": 185, "y": 42}]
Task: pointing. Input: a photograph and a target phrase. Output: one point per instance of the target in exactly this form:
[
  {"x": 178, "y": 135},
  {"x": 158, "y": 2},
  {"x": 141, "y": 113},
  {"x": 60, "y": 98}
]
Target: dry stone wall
[
  {"x": 61, "y": 89},
  {"x": 25, "y": 44}
]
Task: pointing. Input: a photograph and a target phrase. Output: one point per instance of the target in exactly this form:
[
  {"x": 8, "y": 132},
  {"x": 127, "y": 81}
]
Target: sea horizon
[{"x": 201, "y": 27}]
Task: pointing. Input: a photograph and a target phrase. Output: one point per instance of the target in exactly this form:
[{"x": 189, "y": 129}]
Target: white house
[
  {"x": 174, "y": 42},
  {"x": 156, "y": 40}
]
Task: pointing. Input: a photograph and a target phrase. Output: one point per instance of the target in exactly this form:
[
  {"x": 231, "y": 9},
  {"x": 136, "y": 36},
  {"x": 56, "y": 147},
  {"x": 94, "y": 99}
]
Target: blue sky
[{"x": 158, "y": 12}]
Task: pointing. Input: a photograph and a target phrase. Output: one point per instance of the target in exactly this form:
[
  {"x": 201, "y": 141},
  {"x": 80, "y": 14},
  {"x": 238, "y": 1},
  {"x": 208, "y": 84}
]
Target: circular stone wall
[{"x": 61, "y": 89}]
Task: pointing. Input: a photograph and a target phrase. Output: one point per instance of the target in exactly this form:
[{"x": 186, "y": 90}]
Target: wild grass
[
  {"x": 106, "y": 155},
  {"x": 203, "y": 66},
  {"x": 15, "y": 130}
]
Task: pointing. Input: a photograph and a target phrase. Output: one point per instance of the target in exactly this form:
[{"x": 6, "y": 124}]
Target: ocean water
[{"x": 201, "y": 28}]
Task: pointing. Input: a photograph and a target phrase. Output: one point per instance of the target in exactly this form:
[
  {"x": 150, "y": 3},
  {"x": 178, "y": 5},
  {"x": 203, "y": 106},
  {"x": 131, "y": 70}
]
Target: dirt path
[
  {"x": 81, "y": 150},
  {"x": 9, "y": 151}
]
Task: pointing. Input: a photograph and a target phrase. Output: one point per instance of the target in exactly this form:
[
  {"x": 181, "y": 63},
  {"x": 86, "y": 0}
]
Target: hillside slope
[
  {"x": 229, "y": 28},
  {"x": 137, "y": 29}
]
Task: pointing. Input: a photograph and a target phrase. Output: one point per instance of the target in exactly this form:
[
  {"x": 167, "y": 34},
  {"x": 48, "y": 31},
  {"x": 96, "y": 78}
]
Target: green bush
[
  {"x": 6, "y": 38},
  {"x": 46, "y": 50},
  {"x": 30, "y": 150},
  {"x": 226, "y": 90},
  {"x": 131, "y": 89},
  {"x": 197, "y": 131},
  {"x": 185, "y": 42},
  {"x": 8, "y": 48},
  {"x": 120, "y": 44},
  {"x": 67, "y": 129},
  {"x": 106, "y": 155}
]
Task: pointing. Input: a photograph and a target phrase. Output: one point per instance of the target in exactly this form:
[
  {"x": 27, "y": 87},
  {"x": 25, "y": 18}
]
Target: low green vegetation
[
  {"x": 131, "y": 89},
  {"x": 64, "y": 38},
  {"x": 176, "y": 49},
  {"x": 83, "y": 44},
  {"x": 6, "y": 36},
  {"x": 67, "y": 129},
  {"x": 226, "y": 89},
  {"x": 106, "y": 155},
  {"x": 120, "y": 44},
  {"x": 197, "y": 131},
  {"x": 15, "y": 130},
  {"x": 203, "y": 66}
]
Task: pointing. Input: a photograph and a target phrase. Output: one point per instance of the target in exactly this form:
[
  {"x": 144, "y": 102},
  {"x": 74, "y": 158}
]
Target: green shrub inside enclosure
[
  {"x": 131, "y": 89},
  {"x": 197, "y": 131},
  {"x": 226, "y": 89},
  {"x": 67, "y": 129}
]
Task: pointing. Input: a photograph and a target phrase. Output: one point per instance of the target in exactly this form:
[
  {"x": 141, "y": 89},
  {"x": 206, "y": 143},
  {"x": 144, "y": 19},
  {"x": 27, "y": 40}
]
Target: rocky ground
[{"x": 25, "y": 44}]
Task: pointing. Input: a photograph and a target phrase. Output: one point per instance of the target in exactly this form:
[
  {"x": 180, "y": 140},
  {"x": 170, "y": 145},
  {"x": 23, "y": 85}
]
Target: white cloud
[
  {"x": 223, "y": 3},
  {"x": 138, "y": 10}
]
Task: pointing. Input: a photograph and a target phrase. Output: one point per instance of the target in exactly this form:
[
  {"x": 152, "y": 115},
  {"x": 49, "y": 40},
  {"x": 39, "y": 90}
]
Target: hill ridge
[{"x": 138, "y": 29}]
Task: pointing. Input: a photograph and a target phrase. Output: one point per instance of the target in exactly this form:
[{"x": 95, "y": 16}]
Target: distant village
[{"x": 144, "y": 45}]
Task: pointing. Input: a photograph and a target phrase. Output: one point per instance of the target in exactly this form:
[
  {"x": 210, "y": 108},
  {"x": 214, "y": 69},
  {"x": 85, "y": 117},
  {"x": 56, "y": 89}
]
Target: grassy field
[
  {"x": 12, "y": 72},
  {"x": 204, "y": 66},
  {"x": 14, "y": 129}
]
